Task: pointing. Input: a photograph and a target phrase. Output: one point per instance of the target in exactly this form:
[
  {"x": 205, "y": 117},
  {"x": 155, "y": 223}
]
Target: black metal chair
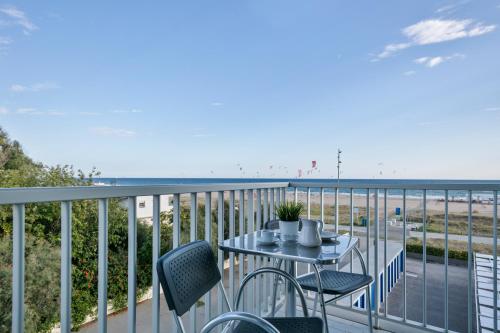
[
  {"x": 190, "y": 271},
  {"x": 335, "y": 283}
]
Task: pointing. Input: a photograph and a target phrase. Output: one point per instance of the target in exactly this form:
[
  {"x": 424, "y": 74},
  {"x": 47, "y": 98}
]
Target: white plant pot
[{"x": 289, "y": 230}]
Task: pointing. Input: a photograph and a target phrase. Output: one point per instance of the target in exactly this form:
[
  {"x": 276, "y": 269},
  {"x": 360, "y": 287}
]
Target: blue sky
[{"x": 407, "y": 89}]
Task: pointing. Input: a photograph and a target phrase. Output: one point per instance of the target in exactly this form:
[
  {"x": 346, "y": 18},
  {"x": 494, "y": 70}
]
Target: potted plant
[{"x": 289, "y": 214}]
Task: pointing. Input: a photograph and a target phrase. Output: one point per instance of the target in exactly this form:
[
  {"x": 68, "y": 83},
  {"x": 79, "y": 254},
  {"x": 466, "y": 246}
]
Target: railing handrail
[
  {"x": 400, "y": 184},
  {"x": 22, "y": 195}
]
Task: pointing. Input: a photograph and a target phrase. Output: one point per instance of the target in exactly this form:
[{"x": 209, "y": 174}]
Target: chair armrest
[{"x": 239, "y": 316}]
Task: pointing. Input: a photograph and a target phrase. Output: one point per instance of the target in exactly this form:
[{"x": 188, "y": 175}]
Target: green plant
[{"x": 289, "y": 211}]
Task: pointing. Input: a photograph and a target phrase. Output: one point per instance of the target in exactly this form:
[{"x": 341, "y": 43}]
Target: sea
[{"x": 481, "y": 196}]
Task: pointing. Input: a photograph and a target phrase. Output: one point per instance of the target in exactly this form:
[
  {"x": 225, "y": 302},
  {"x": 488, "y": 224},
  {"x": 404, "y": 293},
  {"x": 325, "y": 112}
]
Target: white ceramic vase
[{"x": 289, "y": 230}]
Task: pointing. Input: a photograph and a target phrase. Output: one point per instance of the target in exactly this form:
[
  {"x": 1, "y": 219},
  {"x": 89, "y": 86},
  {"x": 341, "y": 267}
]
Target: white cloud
[
  {"x": 5, "y": 41},
  {"x": 216, "y": 104},
  {"x": 3, "y": 110},
  {"x": 56, "y": 113},
  {"x": 203, "y": 135},
  {"x": 19, "y": 18},
  {"x": 492, "y": 109},
  {"x": 448, "y": 9},
  {"x": 110, "y": 131},
  {"x": 409, "y": 73},
  {"x": 35, "y": 112},
  {"x": 36, "y": 87},
  {"x": 434, "y": 61},
  {"x": 127, "y": 111},
  {"x": 436, "y": 31},
  {"x": 89, "y": 113}
]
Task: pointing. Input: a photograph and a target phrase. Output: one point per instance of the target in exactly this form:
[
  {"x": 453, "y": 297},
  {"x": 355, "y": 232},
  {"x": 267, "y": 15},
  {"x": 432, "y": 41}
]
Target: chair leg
[
  {"x": 315, "y": 304},
  {"x": 369, "y": 308},
  {"x": 321, "y": 298},
  {"x": 275, "y": 288}
]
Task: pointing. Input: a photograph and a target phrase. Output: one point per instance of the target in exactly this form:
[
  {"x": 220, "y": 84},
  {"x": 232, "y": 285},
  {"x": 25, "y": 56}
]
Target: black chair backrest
[{"x": 186, "y": 274}]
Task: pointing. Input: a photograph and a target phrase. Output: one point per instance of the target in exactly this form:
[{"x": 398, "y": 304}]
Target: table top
[{"x": 327, "y": 253}]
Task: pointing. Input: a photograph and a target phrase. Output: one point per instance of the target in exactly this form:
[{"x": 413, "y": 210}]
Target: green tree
[{"x": 43, "y": 230}]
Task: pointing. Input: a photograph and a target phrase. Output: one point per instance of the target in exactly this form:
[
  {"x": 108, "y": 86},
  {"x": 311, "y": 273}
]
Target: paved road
[{"x": 457, "y": 289}]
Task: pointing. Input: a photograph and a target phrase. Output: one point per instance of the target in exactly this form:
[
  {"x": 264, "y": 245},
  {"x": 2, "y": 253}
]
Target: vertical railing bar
[
  {"x": 241, "y": 257},
  {"x": 65, "y": 266},
  {"x": 424, "y": 259},
  {"x": 470, "y": 295},
  {"x": 258, "y": 227},
  {"x": 284, "y": 193},
  {"x": 495, "y": 264},
  {"x": 404, "y": 255},
  {"x": 18, "y": 235},
  {"x": 351, "y": 229},
  {"x": 132, "y": 262},
  {"x": 321, "y": 204},
  {"x": 267, "y": 281},
  {"x": 295, "y": 195},
  {"x": 102, "y": 273},
  {"x": 376, "y": 226},
  {"x": 193, "y": 235},
  {"x": 155, "y": 302},
  {"x": 446, "y": 260},
  {"x": 231, "y": 254},
  {"x": 336, "y": 209},
  {"x": 385, "y": 284},
  {"x": 176, "y": 209},
  {"x": 277, "y": 193},
  {"x": 271, "y": 206},
  {"x": 368, "y": 231},
  {"x": 251, "y": 259},
  {"x": 308, "y": 202},
  {"x": 208, "y": 238},
  {"x": 220, "y": 253},
  {"x": 177, "y": 221}
]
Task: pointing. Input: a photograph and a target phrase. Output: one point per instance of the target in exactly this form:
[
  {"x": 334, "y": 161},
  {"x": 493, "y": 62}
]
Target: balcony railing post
[
  {"x": 193, "y": 235},
  {"x": 220, "y": 254},
  {"x": 336, "y": 209},
  {"x": 404, "y": 255},
  {"x": 322, "y": 204},
  {"x": 65, "y": 266},
  {"x": 18, "y": 219},
  {"x": 272, "y": 214},
  {"x": 376, "y": 289},
  {"x": 258, "y": 225},
  {"x": 231, "y": 254},
  {"x": 241, "y": 257},
  {"x": 446, "y": 260},
  {"x": 424, "y": 260},
  {"x": 308, "y": 202},
  {"x": 102, "y": 283},
  {"x": 251, "y": 259},
  {"x": 208, "y": 238},
  {"x": 470, "y": 294},
  {"x": 384, "y": 280},
  {"x": 495, "y": 263},
  {"x": 155, "y": 302},
  {"x": 132, "y": 261}
]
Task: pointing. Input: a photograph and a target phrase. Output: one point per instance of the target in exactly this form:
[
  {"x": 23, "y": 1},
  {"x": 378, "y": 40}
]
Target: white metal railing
[{"x": 255, "y": 203}]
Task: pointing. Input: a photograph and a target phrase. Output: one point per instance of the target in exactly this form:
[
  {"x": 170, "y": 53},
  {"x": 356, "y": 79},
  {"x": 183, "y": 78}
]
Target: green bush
[{"x": 41, "y": 280}]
